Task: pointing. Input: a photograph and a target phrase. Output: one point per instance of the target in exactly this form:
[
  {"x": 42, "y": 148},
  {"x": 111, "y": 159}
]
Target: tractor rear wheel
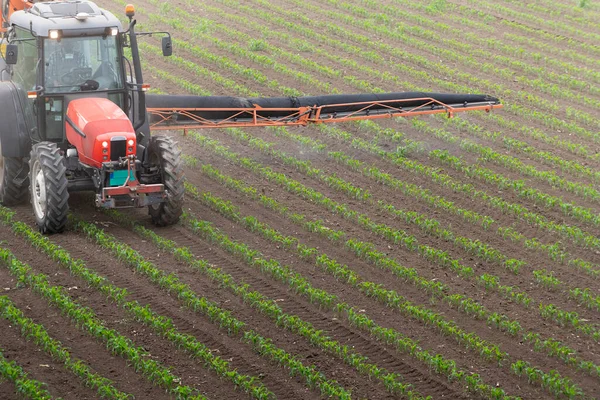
[
  {"x": 48, "y": 187},
  {"x": 13, "y": 180},
  {"x": 164, "y": 154}
]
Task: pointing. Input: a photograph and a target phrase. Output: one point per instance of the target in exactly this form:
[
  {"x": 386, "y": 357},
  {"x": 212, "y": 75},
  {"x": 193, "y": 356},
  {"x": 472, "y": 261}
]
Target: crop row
[
  {"x": 463, "y": 303},
  {"x": 406, "y": 70},
  {"x": 38, "y": 334},
  {"x": 431, "y": 226},
  {"x": 87, "y": 320},
  {"x": 548, "y": 23},
  {"x": 554, "y": 251},
  {"x": 359, "y": 194},
  {"x": 567, "y": 46},
  {"x": 165, "y": 326},
  {"x": 548, "y": 108},
  {"x": 559, "y": 317},
  {"x": 584, "y": 215},
  {"x": 573, "y": 233},
  {"x": 487, "y": 154},
  {"x": 393, "y": 300},
  {"x": 522, "y": 147},
  {"x": 207, "y": 25},
  {"x": 25, "y": 386},
  {"x": 456, "y": 49},
  {"x": 389, "y": 297},
  {"x": 547, "y": 53},
  {"x": 390, "y": 234},
  {"x": 581, "y": 12},
  {"x": 223, "y": 62},
  {"x": 488, "y": 281},
  {"x": 300, "y": 285},
  {"x": 267, "y": 306},
  {"x": 522, "y": 210},
  {"x": 473, "y": 43}
]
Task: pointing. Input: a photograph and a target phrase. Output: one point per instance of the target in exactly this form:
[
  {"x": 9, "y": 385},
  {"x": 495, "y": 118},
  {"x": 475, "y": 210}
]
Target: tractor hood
[{"x": 99, "y": 130}]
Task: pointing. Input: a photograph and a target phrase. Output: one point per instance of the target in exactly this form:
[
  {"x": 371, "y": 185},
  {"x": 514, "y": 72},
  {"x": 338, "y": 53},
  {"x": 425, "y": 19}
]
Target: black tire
[
  {"x": 164, "y": 154},
  {"x": 14, "y": 180},
  {"x": 48, "y": 187}
]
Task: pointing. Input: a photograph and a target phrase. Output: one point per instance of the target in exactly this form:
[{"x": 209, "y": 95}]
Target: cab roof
[{"x": 73, "y": 17}]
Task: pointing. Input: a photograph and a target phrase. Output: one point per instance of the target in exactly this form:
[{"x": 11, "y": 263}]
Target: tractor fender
[{"x": 17, "y": 121}]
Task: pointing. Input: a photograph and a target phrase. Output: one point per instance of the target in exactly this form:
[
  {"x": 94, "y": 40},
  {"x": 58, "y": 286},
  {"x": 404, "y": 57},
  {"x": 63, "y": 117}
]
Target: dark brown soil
[{"x": 230, "y": 347}]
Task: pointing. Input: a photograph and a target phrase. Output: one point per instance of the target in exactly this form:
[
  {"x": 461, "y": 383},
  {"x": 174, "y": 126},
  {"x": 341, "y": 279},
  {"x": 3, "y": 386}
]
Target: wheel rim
[{"x": 39, "y": 191}]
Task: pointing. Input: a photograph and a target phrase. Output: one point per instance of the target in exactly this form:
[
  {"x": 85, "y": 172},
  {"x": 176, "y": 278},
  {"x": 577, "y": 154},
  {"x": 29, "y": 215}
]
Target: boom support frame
[{"x": 191, "y": 118}]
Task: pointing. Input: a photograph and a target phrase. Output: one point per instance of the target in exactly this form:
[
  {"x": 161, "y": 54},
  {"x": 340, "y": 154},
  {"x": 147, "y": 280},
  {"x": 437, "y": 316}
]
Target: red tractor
[
  {"x": 73, "y": 118},
  {"x": 76, "y": 116}
]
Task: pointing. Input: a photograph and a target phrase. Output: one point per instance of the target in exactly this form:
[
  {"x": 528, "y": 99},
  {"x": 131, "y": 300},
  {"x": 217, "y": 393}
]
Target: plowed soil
[{"x": 241, "y": 356}]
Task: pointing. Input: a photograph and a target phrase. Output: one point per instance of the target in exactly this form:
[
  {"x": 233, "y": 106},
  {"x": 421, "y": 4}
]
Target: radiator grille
[{"x": 117, "y": 148}]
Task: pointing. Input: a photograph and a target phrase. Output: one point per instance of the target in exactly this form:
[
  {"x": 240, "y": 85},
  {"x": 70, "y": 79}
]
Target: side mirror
[
  {"x": 11, "y": 54},
  {"x": 167, "y": 46}
]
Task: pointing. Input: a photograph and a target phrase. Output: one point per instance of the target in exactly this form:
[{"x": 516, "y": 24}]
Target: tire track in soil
[
  {"x": 260, "y": 323},
  {"x": 423, "y": 381},
  {"x": 242, "y": 359},
  {"x": 506, "y": 342},
  {"x": 226, "y": 347},
  {"x": 405, "y": 325}
]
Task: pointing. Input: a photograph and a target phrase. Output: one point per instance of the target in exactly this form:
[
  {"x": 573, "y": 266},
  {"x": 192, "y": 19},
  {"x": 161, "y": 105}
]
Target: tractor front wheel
[
  {"x": 164, "y": 154},
  {"x": 13, "y": 180},
  {"x": 48, "y": 187}
]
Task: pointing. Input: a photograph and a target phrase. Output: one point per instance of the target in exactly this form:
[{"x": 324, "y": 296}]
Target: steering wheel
[
  {"x": 106, "y": 73},
  {"x": 76, "y": 76}
]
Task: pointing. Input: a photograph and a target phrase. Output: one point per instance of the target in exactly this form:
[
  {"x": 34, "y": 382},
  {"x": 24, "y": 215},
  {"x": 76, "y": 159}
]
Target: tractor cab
[
  {"x": 76, "y": 67},
  {"x": 66, "y": 50},
  {"x": 77, "y": 114}
]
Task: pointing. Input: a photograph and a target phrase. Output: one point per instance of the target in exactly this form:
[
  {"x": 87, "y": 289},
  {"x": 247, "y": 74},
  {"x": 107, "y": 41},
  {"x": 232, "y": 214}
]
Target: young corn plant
[
  {"x": 37, "y": 333},
  {"x": 87, "y": 320},
  {"x": 24, "y": 386}
]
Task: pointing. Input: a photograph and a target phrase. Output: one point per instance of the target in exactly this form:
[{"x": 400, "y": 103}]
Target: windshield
[{"x": 74, "y": 64}]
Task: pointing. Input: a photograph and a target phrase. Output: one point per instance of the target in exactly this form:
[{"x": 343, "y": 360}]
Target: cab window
[
  {"x": 24, "y": 71},
  {"x": 72, "y": 64}
]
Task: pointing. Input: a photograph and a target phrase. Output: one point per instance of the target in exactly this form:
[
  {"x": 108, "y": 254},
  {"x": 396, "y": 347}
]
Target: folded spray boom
[{"x": 194, "y": 112}]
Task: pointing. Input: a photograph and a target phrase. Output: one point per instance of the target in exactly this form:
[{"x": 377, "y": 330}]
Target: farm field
[{"x": 422, "y": 258}]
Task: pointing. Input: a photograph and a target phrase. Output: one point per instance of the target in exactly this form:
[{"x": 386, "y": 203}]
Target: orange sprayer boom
[{"x": 326, "y": 110}]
